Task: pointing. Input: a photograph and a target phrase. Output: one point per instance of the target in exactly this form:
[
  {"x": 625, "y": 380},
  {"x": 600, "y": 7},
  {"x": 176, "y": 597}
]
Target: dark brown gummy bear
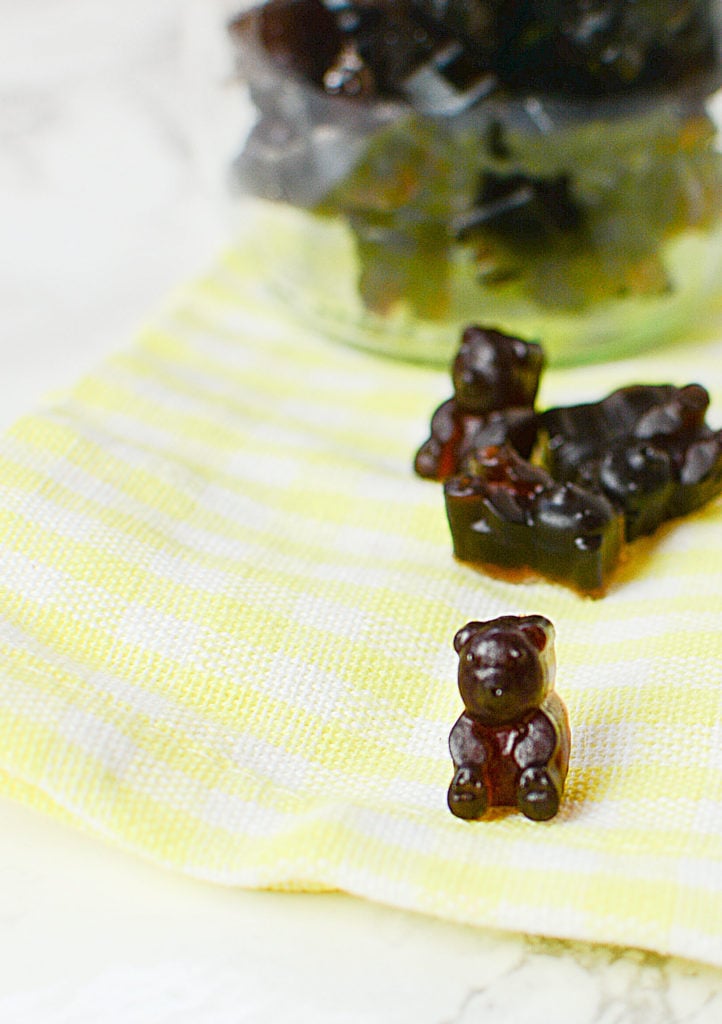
[
  {"x": 578, "y": 434},
  {"x": 496, "y": 378},
  {"x": 510, "y": 747},
  {"x": 512, "y": 518},
  {"x": 493, "y": 370},
  {"x": 647, "y": 448}
]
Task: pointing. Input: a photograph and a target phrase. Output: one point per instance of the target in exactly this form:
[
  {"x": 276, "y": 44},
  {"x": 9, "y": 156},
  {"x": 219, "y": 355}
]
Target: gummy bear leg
[
  {"x": 467, "y": 796},
  {"x": 539, "y": 794}
]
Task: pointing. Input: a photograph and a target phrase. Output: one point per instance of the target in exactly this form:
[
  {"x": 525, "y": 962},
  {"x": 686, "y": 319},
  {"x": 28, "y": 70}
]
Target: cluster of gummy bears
[
  {"x": 439, "y": 50},
  {"x": 603, "y": 474},
  {"x": 462, "y": 145}
]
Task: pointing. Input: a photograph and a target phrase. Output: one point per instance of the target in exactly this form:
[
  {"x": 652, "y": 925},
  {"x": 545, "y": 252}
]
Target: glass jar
[{"x": 547, "y": 167}]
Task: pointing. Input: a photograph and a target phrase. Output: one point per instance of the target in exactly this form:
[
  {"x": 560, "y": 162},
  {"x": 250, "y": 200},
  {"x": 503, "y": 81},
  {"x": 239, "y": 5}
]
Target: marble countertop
[{"x": 105, "y": 207}]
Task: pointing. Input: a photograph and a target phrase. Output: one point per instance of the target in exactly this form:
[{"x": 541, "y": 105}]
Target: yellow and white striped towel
[{"x": 226, "y": 613}]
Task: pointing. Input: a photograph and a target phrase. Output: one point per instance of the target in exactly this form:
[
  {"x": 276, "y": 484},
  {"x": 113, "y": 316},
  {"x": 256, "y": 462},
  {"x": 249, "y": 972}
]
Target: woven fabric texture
[{"x": 226, "y": 617}]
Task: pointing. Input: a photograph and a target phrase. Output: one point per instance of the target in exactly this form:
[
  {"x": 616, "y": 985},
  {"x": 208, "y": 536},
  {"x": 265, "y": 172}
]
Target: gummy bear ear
[
  {"x": 465, "y": 634},
  {"x": 538, "y": 630}
]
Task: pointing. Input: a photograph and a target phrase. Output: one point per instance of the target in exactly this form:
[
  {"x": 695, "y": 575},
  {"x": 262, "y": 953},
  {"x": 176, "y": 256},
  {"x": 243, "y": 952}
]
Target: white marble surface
[
  {"x": 101, "y": 205},
  {"x": 103, "y": 210}
]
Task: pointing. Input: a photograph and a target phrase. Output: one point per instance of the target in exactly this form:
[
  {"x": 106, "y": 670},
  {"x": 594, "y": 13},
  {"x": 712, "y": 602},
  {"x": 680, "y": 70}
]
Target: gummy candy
[
  {"x": 511, "y": 744},
  {"x": 507, "y": 514},
  {"x": 647, "y": 448},
  {"x": 603, "y": 472},
  {"x": 477, "y": 124},
  {"x": 495, "y": 377}
]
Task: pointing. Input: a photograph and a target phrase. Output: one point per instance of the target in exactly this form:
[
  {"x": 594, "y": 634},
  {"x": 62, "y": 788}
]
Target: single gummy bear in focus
[{"x": 510, "y": 746}]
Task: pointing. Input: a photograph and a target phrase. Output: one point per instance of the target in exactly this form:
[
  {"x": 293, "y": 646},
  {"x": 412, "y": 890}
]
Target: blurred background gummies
[{"x": 548, "y": 167}]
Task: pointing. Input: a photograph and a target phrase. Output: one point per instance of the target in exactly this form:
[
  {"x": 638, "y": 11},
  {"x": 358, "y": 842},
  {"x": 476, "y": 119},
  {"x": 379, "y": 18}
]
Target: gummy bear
[
  {"x": 507, "y": 514},
  {"x": 647, "y": 448},
  {"x": 511, "y": 744},
  {"x": 496, "y": 378}
]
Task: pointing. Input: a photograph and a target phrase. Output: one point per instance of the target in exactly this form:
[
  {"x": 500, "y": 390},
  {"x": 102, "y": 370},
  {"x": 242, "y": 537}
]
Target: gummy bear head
[
  {"x": 506, "y": 666},
  {"x": 640, "y": 480},
  {"x": 567, "y": 510},
  {"x": 495, "y": 371}
]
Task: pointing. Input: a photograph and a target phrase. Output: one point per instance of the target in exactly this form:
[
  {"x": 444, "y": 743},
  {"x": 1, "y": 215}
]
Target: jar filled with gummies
[{"x": 548, "y": 167}]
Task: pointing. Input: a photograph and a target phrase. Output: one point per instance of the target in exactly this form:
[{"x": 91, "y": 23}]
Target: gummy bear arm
[
  {"x": 465, "y": 744},
  {"x": 443, "y": 422},
  {"x": 435, "y": 459},
  {"x": 539, "y": 743},
  {"x": 426, "y": 463},
  {"x": 702, "y": 460}
]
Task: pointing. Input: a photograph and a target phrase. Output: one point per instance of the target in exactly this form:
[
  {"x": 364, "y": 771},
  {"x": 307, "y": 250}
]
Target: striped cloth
[{"x": 226, "y": 614}]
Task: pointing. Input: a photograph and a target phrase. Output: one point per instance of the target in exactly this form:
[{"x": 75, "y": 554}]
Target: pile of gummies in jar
[{"x": 425, "y": 124}]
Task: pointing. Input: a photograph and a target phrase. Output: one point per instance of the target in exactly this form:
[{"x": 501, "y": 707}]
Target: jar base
[{"x": 309, "y": 263}]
